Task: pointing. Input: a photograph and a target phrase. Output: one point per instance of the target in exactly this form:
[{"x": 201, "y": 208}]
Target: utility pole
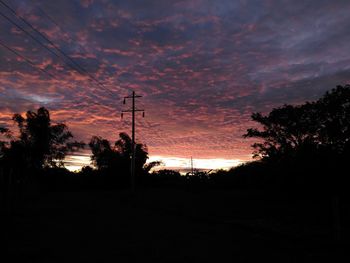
[{"x": 133, "y": 144}]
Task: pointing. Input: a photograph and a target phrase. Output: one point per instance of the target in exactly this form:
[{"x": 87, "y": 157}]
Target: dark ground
[{"x": 170, "y": 225}]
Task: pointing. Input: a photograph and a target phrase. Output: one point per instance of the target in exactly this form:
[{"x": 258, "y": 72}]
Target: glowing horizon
[
  {"x": 76, "y": 162},
  {"x": 181, "y": 163}
]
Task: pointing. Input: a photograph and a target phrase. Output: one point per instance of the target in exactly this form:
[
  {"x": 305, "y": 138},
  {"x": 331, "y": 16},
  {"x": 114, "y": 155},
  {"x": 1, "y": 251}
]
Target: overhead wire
[
  {"x": 79, "y": 70},
  {"x": 32, "y": 64},
  {"x": 62, "y": 55},
  {"x": 26, "y": 32},
  {"x": 28, "y": 61},
  {"x": 68, "y": 35}
]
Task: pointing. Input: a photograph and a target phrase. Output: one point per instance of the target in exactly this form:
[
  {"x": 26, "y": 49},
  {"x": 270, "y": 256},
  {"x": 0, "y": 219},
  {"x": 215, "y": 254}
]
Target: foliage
[
  {"x": 117, "y": 157},
  {"x": 149, "y": 166},
  {"x": 4, "y": 144},
  {"x": 314, "y": 127},
  {"x": 305, "y": 146},
  {"x": 103, "y": 155},
  {"x": 39, "y": 143}
]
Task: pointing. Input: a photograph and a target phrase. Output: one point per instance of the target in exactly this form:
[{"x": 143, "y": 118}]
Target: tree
[
  {"x": 124, "y": 148},
  {"x": 39, "y": 143},
  {"x": 4, "y": 144},
  {"x": 333, "y": 117},
  {"x": 307, "y": 145},
  {"x": 117, "y": 157},
  {"x": 149, "y": 166},
  {"x": 314, "y": 127},
  {"x": 103, "y": 154},
  {"x": 315, "y": 139}
]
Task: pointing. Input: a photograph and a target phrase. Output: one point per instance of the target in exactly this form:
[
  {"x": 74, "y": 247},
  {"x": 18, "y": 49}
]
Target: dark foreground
[{"x": 170, "y": 226}]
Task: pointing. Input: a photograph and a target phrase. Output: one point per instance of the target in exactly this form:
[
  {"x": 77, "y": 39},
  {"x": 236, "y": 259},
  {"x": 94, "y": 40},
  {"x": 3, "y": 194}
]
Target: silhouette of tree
[
  {"x": 124, "y": 148},
  {"x": 149, "y": 166},
  {"x": 333, "y": 118},
  {"x": 3, "y": 144},
  {"x": 165, "y": 177},
  {"x": 305, "y": 147},
  {"x": 315, "y": 127},
  {"x": 39, "y": 143},
  {"x": 87, "y": 170},
  {"x": 117, "y": 157},
  {"x": 103, "y": 155}
]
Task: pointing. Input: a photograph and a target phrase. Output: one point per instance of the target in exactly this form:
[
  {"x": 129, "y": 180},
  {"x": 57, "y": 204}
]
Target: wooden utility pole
[{"x": 133, "y": 144}]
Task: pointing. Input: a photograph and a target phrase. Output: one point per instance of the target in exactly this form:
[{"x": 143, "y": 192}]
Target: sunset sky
[{"x": 202, "y": 68}]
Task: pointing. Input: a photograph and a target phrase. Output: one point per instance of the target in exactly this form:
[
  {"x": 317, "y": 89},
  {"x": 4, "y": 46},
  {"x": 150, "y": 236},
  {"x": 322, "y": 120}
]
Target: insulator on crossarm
[
  {"x": 143, "y": 114},
  {"x": 124, "y": 101},
  {"x": 121, "y": 115}
]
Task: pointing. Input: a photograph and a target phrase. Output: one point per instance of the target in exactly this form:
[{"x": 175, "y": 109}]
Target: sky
[{"x": 202, "y": 68}]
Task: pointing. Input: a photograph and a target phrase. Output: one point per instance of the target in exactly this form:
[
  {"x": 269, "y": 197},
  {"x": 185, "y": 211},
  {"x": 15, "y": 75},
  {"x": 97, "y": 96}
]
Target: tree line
[{"x": 303, "y": 146}]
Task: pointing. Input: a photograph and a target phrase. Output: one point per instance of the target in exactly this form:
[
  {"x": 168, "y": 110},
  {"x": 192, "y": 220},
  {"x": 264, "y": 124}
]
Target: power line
[
  {"x": 50, "y": 42},
  {"x": 25, "y": 31},
  {"x": 78, "y": 67},
  {"x": 82, "y": 50},
  {"x": 32, "y": 27},
  {"x": 29, "y": 62},
  {"x": 52, "y": 20}
]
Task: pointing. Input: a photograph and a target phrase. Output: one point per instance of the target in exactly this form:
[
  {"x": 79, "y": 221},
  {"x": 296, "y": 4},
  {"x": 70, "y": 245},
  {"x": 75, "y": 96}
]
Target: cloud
[
  {"x": 202, "y": 66},
  {"x": 86, "y": 3}
]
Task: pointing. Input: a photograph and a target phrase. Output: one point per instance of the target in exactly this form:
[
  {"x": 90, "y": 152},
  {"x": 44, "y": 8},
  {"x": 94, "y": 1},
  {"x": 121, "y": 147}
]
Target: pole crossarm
[
  {"x": 131, "y": 110},
  {"x": 130, "y": 97}
]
